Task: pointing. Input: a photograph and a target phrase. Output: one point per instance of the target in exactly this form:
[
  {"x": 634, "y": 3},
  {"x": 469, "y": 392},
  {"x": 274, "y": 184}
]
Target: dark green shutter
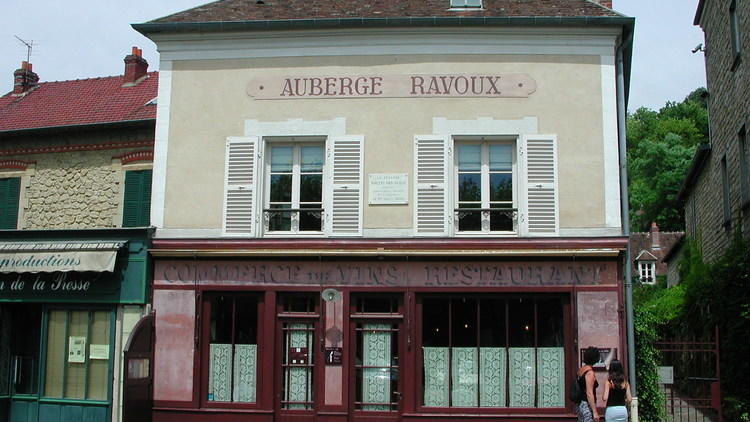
[
  {"x": 10, "y": 191},
  {"x": 136, "y": 208}
]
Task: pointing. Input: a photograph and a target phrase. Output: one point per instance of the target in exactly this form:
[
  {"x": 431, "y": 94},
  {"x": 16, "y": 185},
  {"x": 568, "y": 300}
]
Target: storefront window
[
  {"x": 233, "y": 349},
  {"x": 78, "y": 354},
  {"x": 481, "y": 351}
]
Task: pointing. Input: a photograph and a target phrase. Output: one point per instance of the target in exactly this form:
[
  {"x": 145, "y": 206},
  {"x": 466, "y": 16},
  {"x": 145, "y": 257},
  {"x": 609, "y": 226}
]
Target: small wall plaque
[
  {"x": 334, "y": 355},
  {"x": 391, "y": 188}
]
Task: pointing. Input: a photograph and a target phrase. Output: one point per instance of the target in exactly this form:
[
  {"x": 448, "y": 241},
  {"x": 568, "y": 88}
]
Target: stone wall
[
  {"x": 729, "y": 102},
  {"x": 74, "y": 189}
]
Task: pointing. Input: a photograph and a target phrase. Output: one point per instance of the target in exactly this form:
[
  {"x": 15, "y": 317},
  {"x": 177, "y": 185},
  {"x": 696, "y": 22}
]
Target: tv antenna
[{"x": 29, "y": 46}]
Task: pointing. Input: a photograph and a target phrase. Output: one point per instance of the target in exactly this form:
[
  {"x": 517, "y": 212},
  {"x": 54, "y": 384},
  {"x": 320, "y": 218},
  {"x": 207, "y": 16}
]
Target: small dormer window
[
  {"x": 647, "y": 271},
  {"x": 466, "y": 4}
]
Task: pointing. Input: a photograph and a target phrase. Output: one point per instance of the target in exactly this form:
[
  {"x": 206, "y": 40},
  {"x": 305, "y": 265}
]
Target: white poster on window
[
  {"x": 99, "y": 351},
  {"x": 388, "y": 189},
  {"x": 76, "y": 349}
]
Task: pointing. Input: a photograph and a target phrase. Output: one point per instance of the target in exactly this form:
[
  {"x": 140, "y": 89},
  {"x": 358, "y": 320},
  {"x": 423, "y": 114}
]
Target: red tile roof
[
  {"x": 251, "y": 10},
  {"x": 79, "y": 102}
]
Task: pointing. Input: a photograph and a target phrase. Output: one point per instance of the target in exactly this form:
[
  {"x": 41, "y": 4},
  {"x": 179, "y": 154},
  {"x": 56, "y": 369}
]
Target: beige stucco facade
[{"x": 209, "y": 103}]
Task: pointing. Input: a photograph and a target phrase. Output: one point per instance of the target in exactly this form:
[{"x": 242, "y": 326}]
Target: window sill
[
  {"x": 74, "y": 401},
  {"x": 282, "y": 235}
]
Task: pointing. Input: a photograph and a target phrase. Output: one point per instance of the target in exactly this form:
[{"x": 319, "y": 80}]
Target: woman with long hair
[
  {"x": 586, "y": 409},
  {"x": 616, "y": 394}
]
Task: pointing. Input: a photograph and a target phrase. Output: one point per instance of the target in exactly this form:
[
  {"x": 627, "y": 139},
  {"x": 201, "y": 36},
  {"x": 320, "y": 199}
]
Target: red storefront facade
[{"x": 394, "y": 330}]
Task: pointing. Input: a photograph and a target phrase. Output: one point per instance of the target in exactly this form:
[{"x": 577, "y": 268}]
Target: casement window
[
  {"x": 726, "y": 208},
  {"x": 466, "y": 3},
  {"x": 503, "y": 186},
  {"x": 744, "y": 165},
  {"x": 299, "y": 186},
  {"x": 492, "y": 351},
  {"x": 78, "y": 354},
  {"x": 10, "y": 191},
  {"x": 136, "y": 209},
  {"x": 647, "y": 271},
  {"x": 734, "y": 33},
  {"x": 232, "y": 349},
  {"x": 485, "y": 195},
  {"x": 294, "y": 188}
]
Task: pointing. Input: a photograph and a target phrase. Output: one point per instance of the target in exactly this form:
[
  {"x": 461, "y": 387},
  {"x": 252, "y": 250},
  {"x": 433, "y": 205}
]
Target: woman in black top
[
  {"x": 586, "y": 409},
  {"x": 616, "y": 394}
]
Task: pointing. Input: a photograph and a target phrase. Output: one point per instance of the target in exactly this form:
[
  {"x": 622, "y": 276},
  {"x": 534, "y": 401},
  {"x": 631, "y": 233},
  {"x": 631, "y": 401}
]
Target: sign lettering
[
  {"x": 512, "y": 85},
  {"x": 366, "y": 273}
]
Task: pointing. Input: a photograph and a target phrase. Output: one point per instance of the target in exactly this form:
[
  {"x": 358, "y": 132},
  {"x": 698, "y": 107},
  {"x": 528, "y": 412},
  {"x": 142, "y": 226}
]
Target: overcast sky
[{"x": 82, "y": 39}]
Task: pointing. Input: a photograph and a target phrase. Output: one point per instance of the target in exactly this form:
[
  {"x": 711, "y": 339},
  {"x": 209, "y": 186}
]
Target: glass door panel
[{"x": 298, "y": 365}]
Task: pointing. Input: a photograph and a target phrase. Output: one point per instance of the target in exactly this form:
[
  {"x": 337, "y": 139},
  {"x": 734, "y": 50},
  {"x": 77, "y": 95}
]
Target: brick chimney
[
  {"x": 655, "y": 237},
  {"x": 135, "y": 67},
  {"x": 24, "y": 79}
]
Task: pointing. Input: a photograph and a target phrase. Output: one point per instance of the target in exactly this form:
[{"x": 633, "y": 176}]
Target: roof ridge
[{"x": 153, "y": 72}]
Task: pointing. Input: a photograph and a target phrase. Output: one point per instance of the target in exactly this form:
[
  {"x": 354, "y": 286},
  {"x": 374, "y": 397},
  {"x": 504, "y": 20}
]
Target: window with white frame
[
  {"x": 306, "y": 185},
  {"x": 466, "y": 3},
  {"x": 647, "y": 271},
  {"x": 502, "y": 185},
  {"x": 294, "y": 187},
  {"x": 484, "y": 189}
]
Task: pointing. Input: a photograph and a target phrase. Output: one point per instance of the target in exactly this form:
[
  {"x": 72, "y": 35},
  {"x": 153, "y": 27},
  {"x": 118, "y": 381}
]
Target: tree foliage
[{"x": 660, "y": 148}]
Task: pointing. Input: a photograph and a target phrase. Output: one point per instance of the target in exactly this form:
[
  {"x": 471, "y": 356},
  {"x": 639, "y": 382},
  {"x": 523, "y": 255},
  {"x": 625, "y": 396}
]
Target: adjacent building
[
  {"x": 385, "y": 210},
  {"x": 650, "y": 250},
  {"x": 717, "y": 189},
  {"x": 75, "y": 177}
]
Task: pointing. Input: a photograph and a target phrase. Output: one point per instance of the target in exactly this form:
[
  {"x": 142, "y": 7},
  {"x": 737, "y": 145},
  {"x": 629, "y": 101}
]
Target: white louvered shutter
[
  {"x": 432, "y": 210},
  {"x": 240, "y": 191},
  {"x": 344, "y": 187},
  {"x": 542, "y": 210}
]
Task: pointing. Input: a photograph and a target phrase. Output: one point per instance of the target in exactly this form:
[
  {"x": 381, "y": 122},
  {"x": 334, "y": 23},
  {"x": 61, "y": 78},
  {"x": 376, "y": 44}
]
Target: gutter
[
  {"x": 328, "y": 23},
  {"x": 623, "y": 57},
  {"x": 87, "y": 126}
]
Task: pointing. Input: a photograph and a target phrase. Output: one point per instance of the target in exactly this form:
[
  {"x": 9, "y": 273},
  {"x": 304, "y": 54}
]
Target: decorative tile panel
[
  {"x": 245, "y": 360},
  {"x": 435, "y": 376},
  {"x": 522, "y": 365},
  {"x": 220, "y": 372},
  {"x": 551, "y": 376},
  {"x": 376, "y": 382},
  {"x": 492, "y": 372},
  {"x": 464, "y": 376}
]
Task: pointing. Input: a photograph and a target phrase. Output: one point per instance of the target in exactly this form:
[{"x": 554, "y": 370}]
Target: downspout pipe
[{"x": 622, "y": 135}]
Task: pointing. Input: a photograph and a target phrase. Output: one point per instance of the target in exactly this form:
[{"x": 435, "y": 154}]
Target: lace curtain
[
  {"x": 478, "y": 377},
  {"x": 376, "y": 359},
  {"x": 222, "y": 369}
]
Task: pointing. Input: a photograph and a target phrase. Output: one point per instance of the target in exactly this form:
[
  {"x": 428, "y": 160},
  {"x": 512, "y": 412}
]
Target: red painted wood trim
[
  {"x": 15, "y": 164},
  {"x": 79, "y": 147},
  {"x": 394, "y": 244},
  {"x": 130, "y": 157}
]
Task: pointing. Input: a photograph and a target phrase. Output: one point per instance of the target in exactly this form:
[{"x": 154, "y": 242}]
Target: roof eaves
[
  {"x": 699, "y": 12},
  {"x": 696, "y": 167},
  {"x": 86, "y": 126},
  {"x": 437, "y": 21}
]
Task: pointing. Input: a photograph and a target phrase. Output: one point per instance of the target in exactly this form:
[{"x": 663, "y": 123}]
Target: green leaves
[{"x": 660, "y": 148}]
